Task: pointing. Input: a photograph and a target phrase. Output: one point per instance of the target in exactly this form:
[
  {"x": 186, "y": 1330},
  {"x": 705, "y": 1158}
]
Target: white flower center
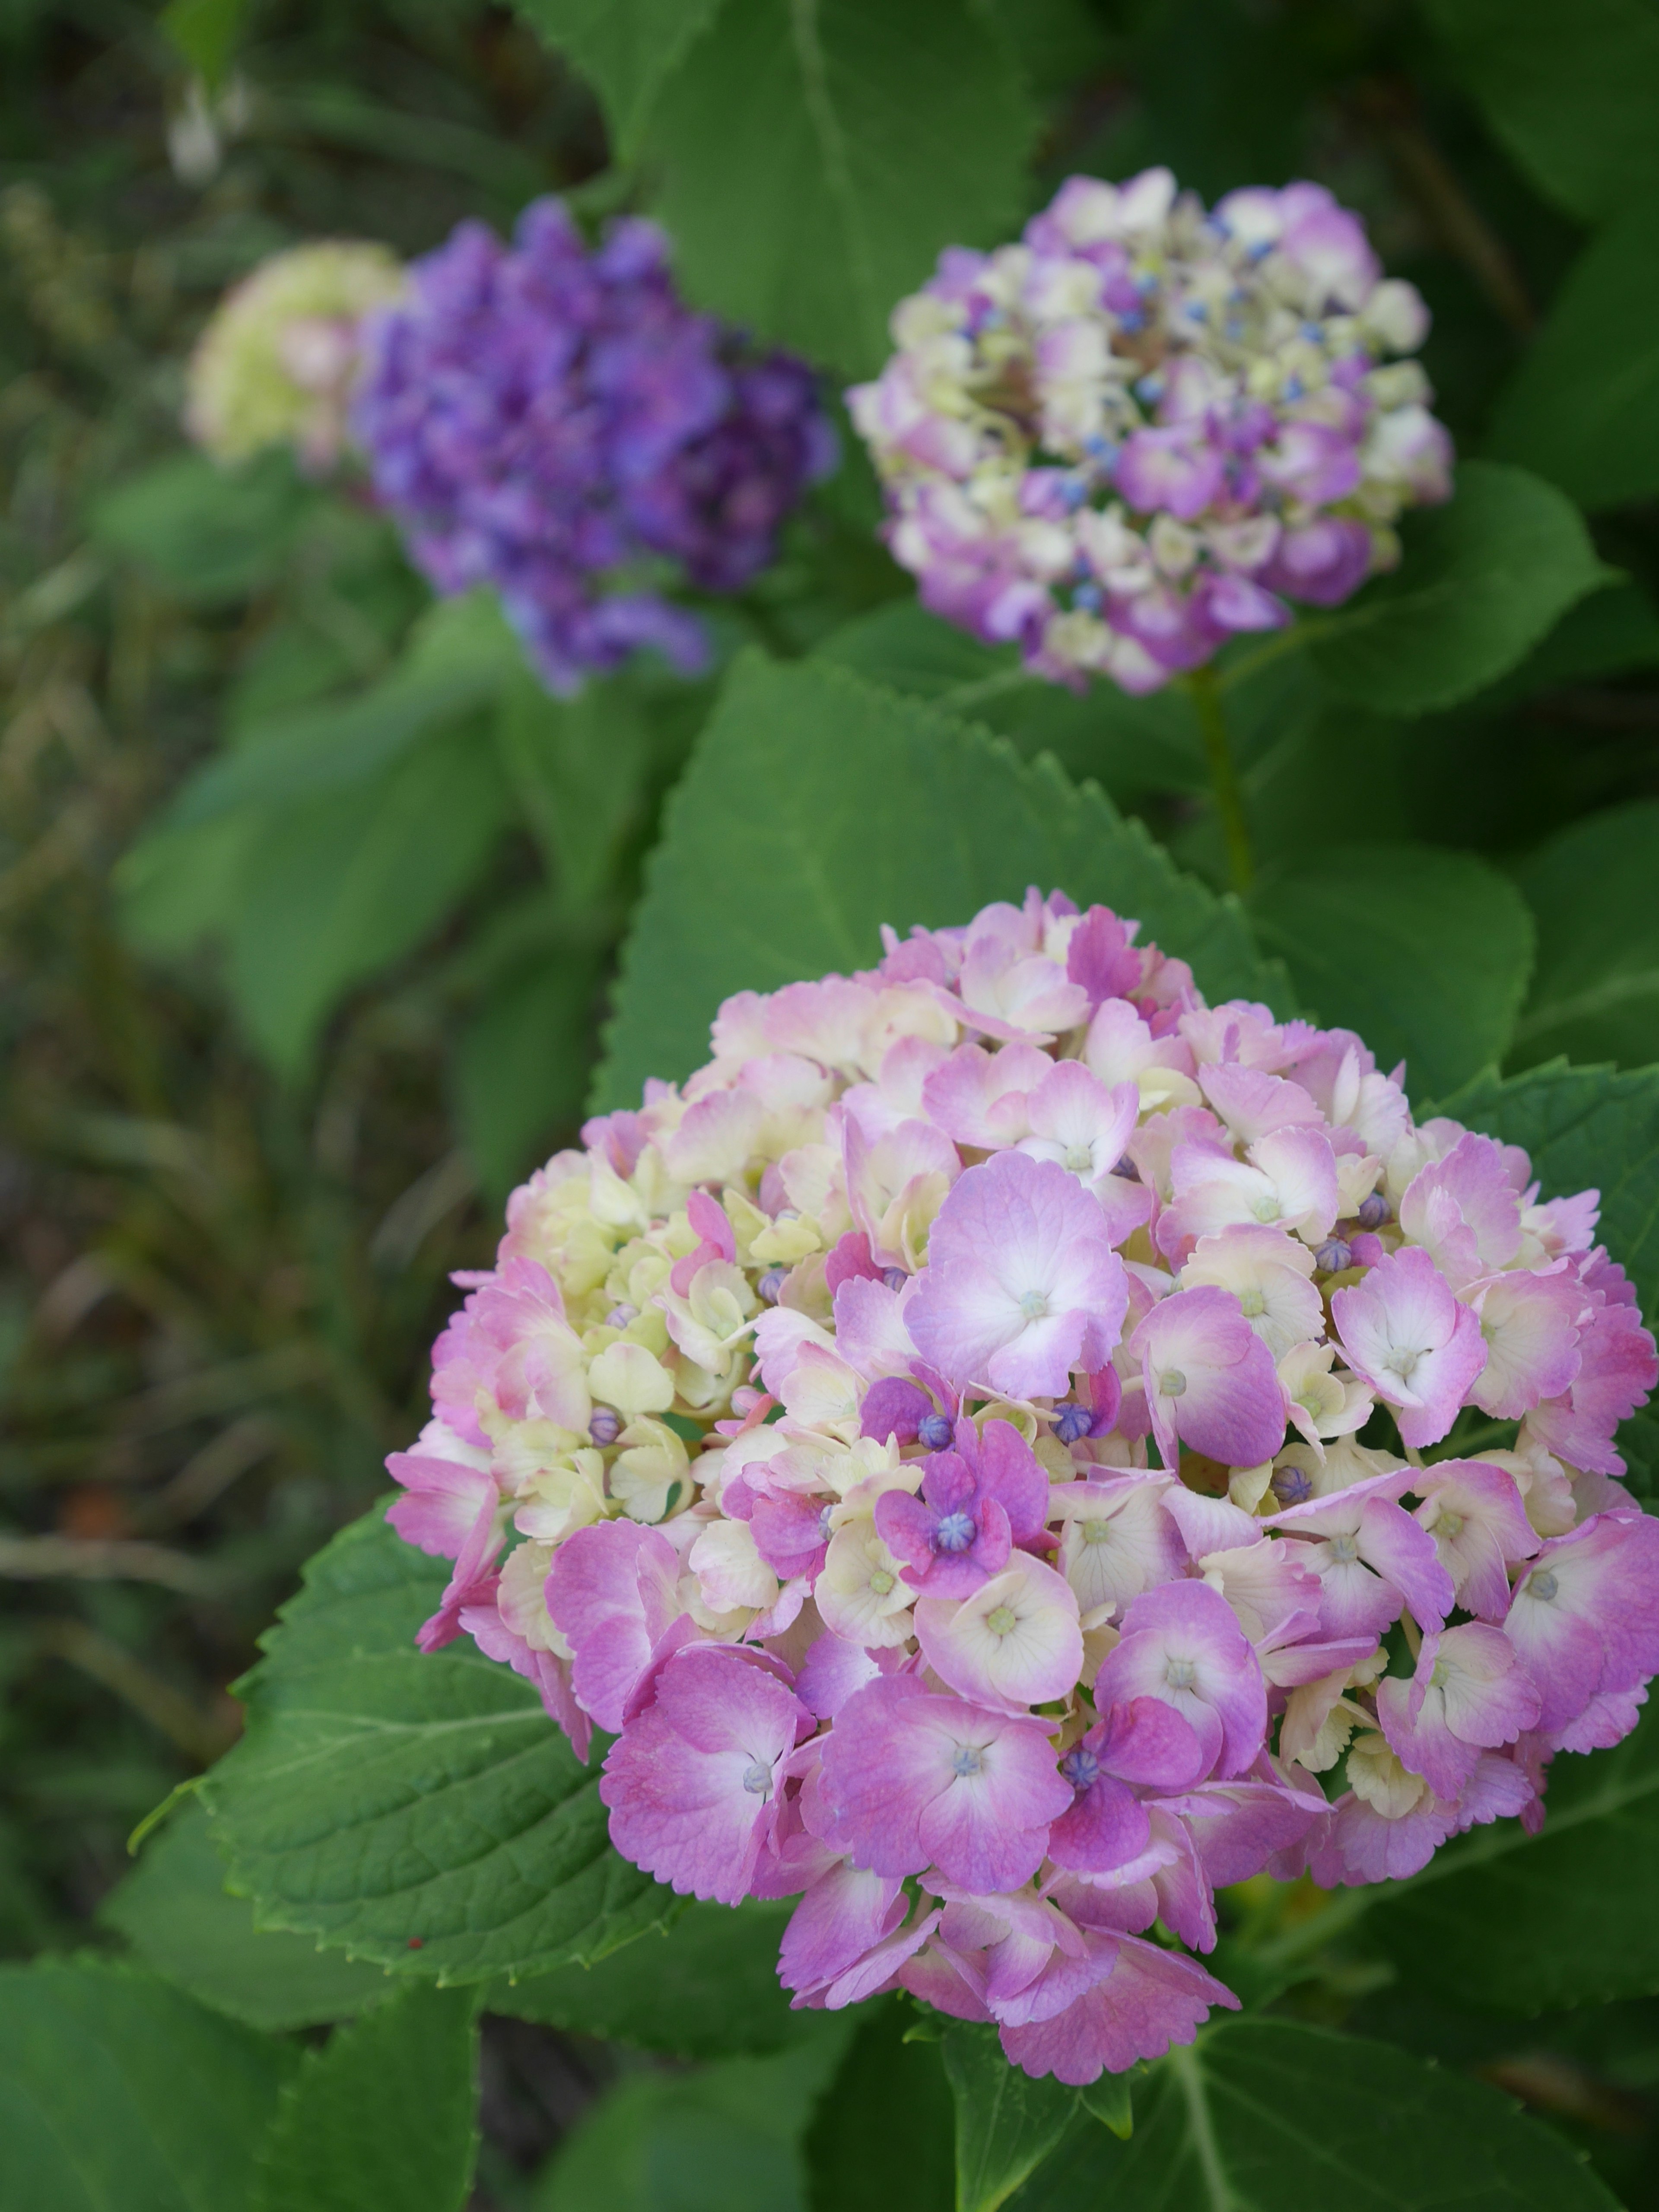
[
  {"x": 1181, "y": 1674},
  {"x": 758, "y": 1779},
  {"x": 1171, "y": 1383},
  {"x": 1003, "y": 1621},
  {"x": 1033, "y": 1305}
]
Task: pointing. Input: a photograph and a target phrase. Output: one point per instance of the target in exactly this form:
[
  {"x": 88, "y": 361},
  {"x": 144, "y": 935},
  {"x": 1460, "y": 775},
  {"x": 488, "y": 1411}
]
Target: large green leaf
[
  {"x": 1130, "y": 745},
  {"x": 627, "y": 48},
  {"x": 1571, "y": 91},
  {"x": 1590, "y": 1128},
  {"x": 174, "y": 1910},
  {"x": 334, "y": 890},
  {"x": 1521, "y": 1922},
  {"x": 1265, "y": 2115},
  {"x": 1595, "y": 984},
  {"x": 1425, "y": 953},
  {"x": 814, "y": 156},
  {"x": 383, "y": 2115},
  {"x": 419, "y": 1810},
  {"x": 461, "y": 657},
  {"x": 707, "y": 1989},
  {"x": 120, "y": 2094},
  {"x": 881, "y": 2136},
  {"x": 1006, "y": 2123},
  {"x": 1582, "y": 409},
  {"x": 1480, "y": 581},
  {"x": 211, "y": 535},
  {"x": 522, "y": 1061},
  {"x": 724, "y": 2139},
  {"x": 817, "y": 807}
]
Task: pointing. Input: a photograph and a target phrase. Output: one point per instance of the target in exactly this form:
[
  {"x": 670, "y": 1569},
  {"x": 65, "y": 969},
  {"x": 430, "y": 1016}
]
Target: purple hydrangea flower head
[
  {"x": 927, "y": 1441},
  {"x": 1148, "y": 427},
  {"x": 556, "y": 422}
]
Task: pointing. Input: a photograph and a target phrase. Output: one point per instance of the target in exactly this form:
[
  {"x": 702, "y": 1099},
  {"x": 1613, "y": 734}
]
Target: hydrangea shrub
[
  {"x": 1149, "y": 426},
  {"x": 558, "y": 424},
  {"x": 950, "y": 1445}
]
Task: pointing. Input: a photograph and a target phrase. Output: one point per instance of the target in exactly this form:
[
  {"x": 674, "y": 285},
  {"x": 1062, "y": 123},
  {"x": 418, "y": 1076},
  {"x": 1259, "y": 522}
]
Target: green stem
[{"x": 1206, "y": 695}]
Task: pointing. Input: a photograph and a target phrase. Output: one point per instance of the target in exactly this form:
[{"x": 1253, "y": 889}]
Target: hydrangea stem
[{"x": 1206, "y": 695}]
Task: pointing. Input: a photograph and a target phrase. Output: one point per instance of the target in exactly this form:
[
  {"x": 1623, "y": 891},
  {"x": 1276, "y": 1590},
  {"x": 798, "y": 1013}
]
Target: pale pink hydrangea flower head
[{"x": 987, "y": 1449}]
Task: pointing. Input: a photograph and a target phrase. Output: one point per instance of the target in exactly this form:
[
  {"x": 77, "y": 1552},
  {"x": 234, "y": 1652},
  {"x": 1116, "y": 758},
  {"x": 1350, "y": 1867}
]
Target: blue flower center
[
  {"x": 967, "y": 1760},
  {"x": 1081, "y": 1767},
  {"x": 954, "y": 1532}
]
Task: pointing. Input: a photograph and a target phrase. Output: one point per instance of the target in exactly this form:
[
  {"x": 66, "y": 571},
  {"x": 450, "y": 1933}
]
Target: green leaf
[
  {"x": 383, "y": 2115},
  {"x": 1583, "y": 408},
  {"x": 882, "y": 2134},
  {"x": 212, "y": 535},
  {"x": 205, "y": 33},
  {"x": 174, "y": 1910},
  {"x": 176, "y": 888},
  {"x": 724, "y": 2139},
  {"x": 1426, "y": 953},
  {"x": 814, "y": 156},
  {"x": 1571, "y": 91},
  {"x": 461, "y": 657},
  {"x": 1130, "y": 745},
  {"x": 1480, "y": 581},
  {"x": 336, "y": 889},
  {"x": 1265, "y": 2115},
  {"x": 117, "y": 2092},
  {"x": 709, "y": 1989},
  {"x": 817, "y": 806},
  {"x": 523, "y": 1061},
  {"x": 1507, "y": 1921},
  {"x": 1109, "y": 2101},
  {"x": 1006, "y": 2124},
  {"x": 1595, "y": 984},
  {"x": 417, "y": 1809},
  {"x": 627, "y": 48},
  {"x": 1590, "y": 1128},
  {"x": 581, "y": 768}
]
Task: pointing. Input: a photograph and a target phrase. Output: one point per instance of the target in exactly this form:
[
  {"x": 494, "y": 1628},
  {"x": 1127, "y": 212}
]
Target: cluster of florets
[
  {"x": 276, "y": 364},
  {"x": 951, "y": 1443},
  {"x": 1146, "y": 427},
  {"x": 558, "y": 424}
]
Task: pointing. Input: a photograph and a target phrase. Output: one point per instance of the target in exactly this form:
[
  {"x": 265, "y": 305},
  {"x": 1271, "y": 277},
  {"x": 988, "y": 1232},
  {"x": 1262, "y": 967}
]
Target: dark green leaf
[
  {"x": 1572, "y": 92},
  {"x": 1480, "y": 581},
  {"x": 581, "y": 768},
  {"x": 212, "y": 535},
  {"x": 815, "y": 157},
  {"x": 817, "y": 806},
  {"x": 119, "y": 2094},
  {"x": 1109, "y": 2101},
  {"x": 708, "y": 1988},
  {"x": 382, "y": 2115},
  {"x": 724, "y": 2139},
  {"x": 1595, "y": 984},
  {"x": 420, "y": 1810},
  {"x": 1006, "y": 2124},
  {"x": 881, "y": 2135},
  {"x": 1518, "y": 1923},
  {"x": 1590, "y": 1128},
  {"x": 1265, "y": 2116},
  {"x": 522, "y": 1062},
  {"x": 1425, "y": 953},
  {"x": 1582, "y": 409},
  {"x": 334, "y": 890},
  {"x": 627, "y": 48},
  {"x": 174, "y": 1910},
  {"x": 462, "y": 657},
  {"x": 1130, "y": 745},
  {"x": 1608, "y": 634}
]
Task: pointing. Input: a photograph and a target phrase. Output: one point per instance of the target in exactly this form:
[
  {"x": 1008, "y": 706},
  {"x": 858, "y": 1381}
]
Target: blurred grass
[{"x": 215, "y": 1297}]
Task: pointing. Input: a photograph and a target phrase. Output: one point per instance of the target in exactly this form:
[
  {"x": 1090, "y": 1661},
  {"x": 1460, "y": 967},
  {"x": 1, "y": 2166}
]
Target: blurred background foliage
[{"x": 309, "y": 894}]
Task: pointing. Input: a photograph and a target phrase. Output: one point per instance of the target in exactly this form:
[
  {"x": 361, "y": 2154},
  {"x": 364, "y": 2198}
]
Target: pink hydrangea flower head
[
  {"x": 1156, "y": 511},
  {"x": 883, "y": 1434}
]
